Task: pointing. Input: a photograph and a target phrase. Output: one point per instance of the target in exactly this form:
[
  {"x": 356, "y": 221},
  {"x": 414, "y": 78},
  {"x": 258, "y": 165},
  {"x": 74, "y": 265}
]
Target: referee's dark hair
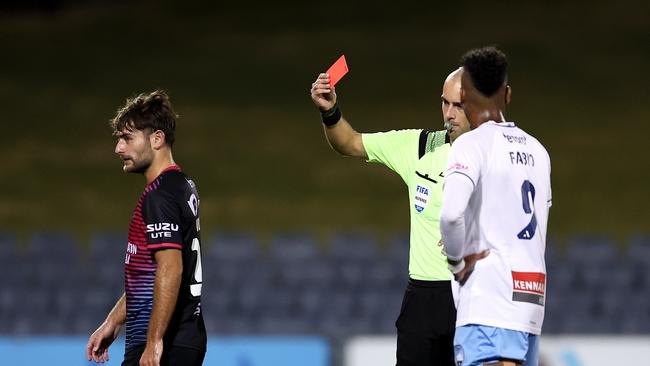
[
  {"x": 487, "y": 67},
  {"x": 151, "y": 111}
]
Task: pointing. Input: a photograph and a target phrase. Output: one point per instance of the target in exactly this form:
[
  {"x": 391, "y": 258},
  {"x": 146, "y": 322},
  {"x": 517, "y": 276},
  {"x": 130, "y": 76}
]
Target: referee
[{"x": 425, "y": 326}]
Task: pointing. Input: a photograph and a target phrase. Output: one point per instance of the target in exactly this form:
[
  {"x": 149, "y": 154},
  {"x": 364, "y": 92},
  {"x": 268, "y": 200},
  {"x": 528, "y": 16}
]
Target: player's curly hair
[
  {"x": 147, "y": 111},
  {"x": 487, "y": 68}
]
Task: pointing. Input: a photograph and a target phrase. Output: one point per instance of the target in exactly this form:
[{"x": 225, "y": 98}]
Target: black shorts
[
  {"x": 426, "y": 325},
  {"x": 172, "y": 356}
]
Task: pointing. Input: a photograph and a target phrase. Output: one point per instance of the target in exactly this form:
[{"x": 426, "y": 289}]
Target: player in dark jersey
[{"x": 161, "y": 305}]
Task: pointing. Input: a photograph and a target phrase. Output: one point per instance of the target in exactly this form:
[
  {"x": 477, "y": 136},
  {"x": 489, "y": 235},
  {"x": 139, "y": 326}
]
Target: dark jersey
[{"x": 166, "y": 218}]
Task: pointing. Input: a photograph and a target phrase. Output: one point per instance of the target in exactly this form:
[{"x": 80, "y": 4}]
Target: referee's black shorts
[
  {"x": 173, "y": 356},
  {"x": 426, "y": 325}
]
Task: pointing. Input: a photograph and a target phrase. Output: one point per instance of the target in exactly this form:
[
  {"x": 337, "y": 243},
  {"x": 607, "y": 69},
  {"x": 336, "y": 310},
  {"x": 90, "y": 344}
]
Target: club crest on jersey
[
  {"x": 421, "y": 198},
  {"x": 528, "y": 287}
]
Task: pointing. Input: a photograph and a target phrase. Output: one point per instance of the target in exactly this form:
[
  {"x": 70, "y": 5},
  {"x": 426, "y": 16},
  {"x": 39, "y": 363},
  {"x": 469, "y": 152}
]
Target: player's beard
[{"x": 138, "y": 165}]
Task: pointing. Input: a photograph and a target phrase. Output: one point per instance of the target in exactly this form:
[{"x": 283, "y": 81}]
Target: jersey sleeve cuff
[{"x": 158, "y": 246}]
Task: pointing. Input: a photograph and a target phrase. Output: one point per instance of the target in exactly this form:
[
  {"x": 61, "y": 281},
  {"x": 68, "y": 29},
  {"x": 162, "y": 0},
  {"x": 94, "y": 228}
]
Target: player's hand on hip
[
  {"x": 152, "y": 353},
  {"x": 99, "y": 341},
  {"x": 470, "y": 262},
  {"x": 322, "y": 94}
]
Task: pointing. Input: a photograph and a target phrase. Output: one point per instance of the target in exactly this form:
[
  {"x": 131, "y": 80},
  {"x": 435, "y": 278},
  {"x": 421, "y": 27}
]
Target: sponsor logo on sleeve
[
  {"x": 457, "y": 166},
  {"x": 529, "y": 287},
  {"x": 161, "y": 230}
]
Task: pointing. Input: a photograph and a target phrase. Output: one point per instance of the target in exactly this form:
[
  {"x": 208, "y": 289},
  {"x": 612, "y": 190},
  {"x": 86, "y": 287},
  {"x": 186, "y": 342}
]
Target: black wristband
[{"x": 332, "y": 116}]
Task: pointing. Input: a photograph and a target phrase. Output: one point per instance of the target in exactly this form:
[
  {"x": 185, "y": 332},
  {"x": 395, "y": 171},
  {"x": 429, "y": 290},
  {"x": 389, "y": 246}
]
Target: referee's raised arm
[{"x": 339, "y": 133}]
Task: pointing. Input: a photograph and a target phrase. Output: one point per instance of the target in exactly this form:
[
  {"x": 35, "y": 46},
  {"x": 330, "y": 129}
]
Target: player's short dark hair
[
  {"x": 487, "y": 67},
  {"x": 147, "y": 111}
]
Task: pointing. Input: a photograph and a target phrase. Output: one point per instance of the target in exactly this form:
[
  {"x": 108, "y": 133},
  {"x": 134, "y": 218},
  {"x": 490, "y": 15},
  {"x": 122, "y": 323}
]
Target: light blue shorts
[{"x": 479, "y": 344}]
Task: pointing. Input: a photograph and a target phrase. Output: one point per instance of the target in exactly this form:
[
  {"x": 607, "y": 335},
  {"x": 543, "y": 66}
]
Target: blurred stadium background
[{"x": 298, "y": 242}]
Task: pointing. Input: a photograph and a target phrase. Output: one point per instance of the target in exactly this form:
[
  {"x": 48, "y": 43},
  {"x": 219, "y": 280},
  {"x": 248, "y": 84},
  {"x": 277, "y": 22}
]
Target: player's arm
[
  {"x": 161, "y": 207},
  {"x": 457, "y": 191},
  {"x": 464, "y": 170},
  {"x": 165, "y": 295},
  {"x": 101, "y": 339},
  {"x": 338, "y": 131},
  {"x": 455, "y": 197},
  {"x": 117, "y": 315}
]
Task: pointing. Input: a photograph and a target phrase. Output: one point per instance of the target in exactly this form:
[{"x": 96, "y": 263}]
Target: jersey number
[
  {"x": 195, "y": 289},
  {"x": 527, "y": 198}
]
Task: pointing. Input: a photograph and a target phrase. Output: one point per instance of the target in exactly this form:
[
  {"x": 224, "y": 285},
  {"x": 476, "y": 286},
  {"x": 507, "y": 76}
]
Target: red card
[{"x": 338, "y": 70}]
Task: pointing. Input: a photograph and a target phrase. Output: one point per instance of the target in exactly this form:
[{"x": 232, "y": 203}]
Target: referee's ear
[{"x": 157, "y": 139}]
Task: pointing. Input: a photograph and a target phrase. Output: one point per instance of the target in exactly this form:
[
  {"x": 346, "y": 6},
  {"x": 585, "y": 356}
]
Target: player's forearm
[
  {"x": 453, "y": 236},
  {"x": 166, "y": 288},
  {"x": 117, "y": 315},
  {"x": 455, "y": 198},
  {"x": 344, "y": 139}
]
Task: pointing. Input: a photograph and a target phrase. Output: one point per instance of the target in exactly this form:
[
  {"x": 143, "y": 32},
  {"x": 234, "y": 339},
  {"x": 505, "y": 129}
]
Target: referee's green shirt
[{"x": 420, "y": 158}]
